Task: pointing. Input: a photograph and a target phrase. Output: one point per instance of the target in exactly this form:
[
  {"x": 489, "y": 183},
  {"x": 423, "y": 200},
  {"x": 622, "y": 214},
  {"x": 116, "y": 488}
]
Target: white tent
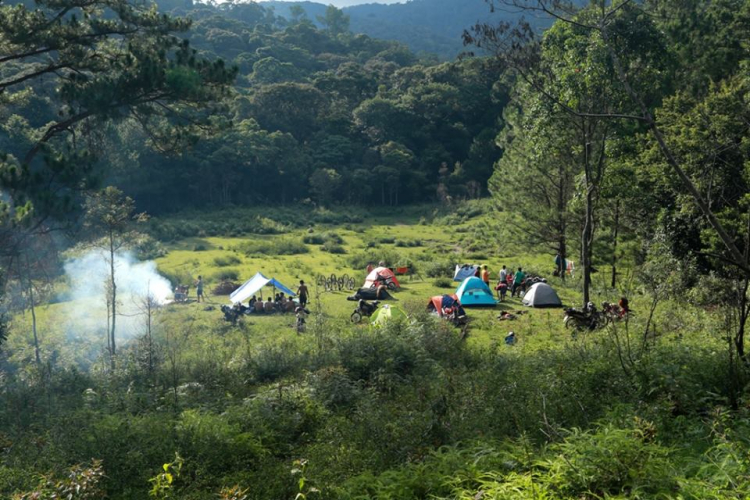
[
  {"x": 254, "y": 284},
  {"x": 541, "y": 295}
]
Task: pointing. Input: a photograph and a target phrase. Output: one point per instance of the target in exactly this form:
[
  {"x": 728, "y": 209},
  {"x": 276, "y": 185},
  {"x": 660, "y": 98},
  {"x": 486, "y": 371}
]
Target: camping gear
[
  {"x": 251, "y": 286},
  {"x": 181, "y": 293},
  {"x": 382, "y": 276},
  {"x": 475, "y": 292},
  {"x": 541, "y": 295},
  {"x": 445, "y": 304},
  {"x": 379, "y": 293},
  {"x": 363, "y": 309},
  {"x": 386, "y": 313},
  {"x": 465, "y": 271},
  {"x": 588, "y": 318}
]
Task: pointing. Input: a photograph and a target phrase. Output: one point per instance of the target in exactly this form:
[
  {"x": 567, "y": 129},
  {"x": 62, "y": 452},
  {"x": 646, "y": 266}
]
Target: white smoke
[{"x": 86, "y": 305}]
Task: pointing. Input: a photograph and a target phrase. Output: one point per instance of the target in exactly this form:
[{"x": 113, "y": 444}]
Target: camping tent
[
  {"x": 386, "y": 313},
  {"x": 439, "y": 303},
  {"x": 474, "y": 292},
  {"x": 465, "y": 271},
  {"x": 254, "y": 284},
  {"x": 541, "y": 295},
  {"x": 383, "y": 273}
]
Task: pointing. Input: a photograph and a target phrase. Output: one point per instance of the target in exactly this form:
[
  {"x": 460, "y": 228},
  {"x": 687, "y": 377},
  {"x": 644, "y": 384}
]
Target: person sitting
[
  {"x": 510, "y": 339},
  {"x": 624, "y": 307},
  {"x": 252, "y": 302},
  {"x": 258, "y": 305},
  {"x": 289, "y": 306},
  {"x": 269, "y": 306}
]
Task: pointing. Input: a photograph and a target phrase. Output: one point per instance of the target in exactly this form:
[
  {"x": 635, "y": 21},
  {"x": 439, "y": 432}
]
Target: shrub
[
  {"x": 228, "y": 260},
  {"x": 333, "y": 248},
  {"x": 200, "y": 247},
  {"x": 438, "y": 269},
  {"x": 360, "y": 260},
  {"x": 284, "y": 246},
  {"x": 313, "y": 239},
  {"x": 443, "y": 283},
  {"x": 226, "y": 275},
  {"x": 408, "y": 243}
]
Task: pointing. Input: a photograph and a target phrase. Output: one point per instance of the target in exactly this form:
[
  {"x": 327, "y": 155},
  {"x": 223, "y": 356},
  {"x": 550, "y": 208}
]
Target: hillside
[{"x": 431, "y": 26}]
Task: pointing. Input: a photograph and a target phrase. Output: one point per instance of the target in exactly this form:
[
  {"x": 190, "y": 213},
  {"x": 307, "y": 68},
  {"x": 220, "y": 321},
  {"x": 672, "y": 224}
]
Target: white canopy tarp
[{"x": 251, "y": 286}]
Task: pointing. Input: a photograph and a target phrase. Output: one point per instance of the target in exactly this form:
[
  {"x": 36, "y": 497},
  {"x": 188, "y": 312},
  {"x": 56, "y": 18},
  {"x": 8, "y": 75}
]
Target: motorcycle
[
  {"x": 588, "y": 318},
  {"x": 363, "y": 309},
  {"x": 386, "y": 281}
]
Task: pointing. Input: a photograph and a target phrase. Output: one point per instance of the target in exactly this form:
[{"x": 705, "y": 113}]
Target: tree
[
  {"x": 65, "y": 49},
  {"x": 334, "y": 20},
  {"x": 536, "y": 175},
  {"x": 324, "y": 183},
  {"x": 110, "y": 215}
]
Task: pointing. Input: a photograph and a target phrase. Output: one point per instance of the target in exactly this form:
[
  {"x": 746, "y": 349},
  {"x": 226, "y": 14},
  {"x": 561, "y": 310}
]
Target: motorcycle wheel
[
  {"x": 392, "y": 286},
  {"x": 356, "y": 317}
]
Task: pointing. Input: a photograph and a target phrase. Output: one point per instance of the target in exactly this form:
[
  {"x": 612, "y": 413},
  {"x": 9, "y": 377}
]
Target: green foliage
[
  {"x": 163, "y": 483},
  {"x": 227, "y": 260},
  {"x": 226, "y": 275},
  {"x": 285, "y": 246},
  {"x": 444, "y": 283}
]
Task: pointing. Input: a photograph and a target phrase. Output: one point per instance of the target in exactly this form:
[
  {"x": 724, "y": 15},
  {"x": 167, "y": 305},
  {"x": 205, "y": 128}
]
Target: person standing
[
  {"x": 303, "y": 293},
  {"x": 503, "y": 275},
  {"x": 199, "y": 289},
  {"x": 517, "y": 281},
  {"x": 486, "y": 275},
  {"x": 559, "y": 264}
]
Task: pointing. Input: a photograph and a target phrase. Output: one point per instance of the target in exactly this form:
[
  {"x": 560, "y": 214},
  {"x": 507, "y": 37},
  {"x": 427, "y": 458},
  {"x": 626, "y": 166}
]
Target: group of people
[{"x": 506, "y": 280}]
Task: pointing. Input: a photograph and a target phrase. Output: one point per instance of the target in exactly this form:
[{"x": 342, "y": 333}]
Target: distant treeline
[{"x": 319, "y": 114}]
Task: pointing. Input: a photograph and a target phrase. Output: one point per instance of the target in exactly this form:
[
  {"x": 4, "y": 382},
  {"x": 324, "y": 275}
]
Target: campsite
[{"x": 374, "y": 250}]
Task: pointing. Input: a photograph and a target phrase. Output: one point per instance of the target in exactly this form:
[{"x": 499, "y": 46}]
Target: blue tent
[
  {"x": 474, "y": 292},
  {"x": 465, "y": 271}
]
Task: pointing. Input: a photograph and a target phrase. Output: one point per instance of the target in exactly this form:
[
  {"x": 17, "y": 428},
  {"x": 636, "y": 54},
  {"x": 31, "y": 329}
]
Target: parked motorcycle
[
  {"x": 386, "y": 281},
  {"x": 588, "y": 318},
  {"x": 364, "y": 309}
]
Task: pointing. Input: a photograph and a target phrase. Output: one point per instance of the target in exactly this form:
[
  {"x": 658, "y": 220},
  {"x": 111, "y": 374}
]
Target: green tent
[{"x": 386, "y": 313}]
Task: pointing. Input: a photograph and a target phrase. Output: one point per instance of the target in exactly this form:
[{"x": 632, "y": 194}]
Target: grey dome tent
[{"x": 541, "y": 295}]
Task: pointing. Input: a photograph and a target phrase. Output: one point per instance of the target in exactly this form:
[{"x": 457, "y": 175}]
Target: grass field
[{"x": 429, "y": 247}]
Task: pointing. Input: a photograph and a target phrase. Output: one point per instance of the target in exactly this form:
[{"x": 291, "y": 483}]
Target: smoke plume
[{"x": 86, "y": 304}]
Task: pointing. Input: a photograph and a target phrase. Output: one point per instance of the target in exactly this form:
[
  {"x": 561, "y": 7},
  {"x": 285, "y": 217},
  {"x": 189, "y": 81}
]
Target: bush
[
  {"x": 333, "y": 248},
  {"x": 443, "y": 283},
  {"x": 408, "y": 243},
  {"x": 437, "y": 269},
  {"x": 360, "y": 260},
  {"x": 226, "y": 275},
  {"x": 229, "y": 260},
  {"x": 314, "y": 239},
  {"x": 284, "y": 246}
]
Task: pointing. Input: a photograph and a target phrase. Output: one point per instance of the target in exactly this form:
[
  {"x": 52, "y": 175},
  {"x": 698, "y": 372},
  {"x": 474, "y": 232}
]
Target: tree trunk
[
  {"x": 586, "y": 235},
  {"x": 562, "y": 225},
  {"x": 113, "y": 345},
  {"x": 739, "y": 339},
  {"x": 33, "y": 314},
  {"x": 615, "y": 231}
]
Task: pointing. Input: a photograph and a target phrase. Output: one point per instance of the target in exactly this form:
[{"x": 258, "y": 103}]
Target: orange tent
[
  {"x": 380, "y": 274},
  {"x": 440, "y": 302}
]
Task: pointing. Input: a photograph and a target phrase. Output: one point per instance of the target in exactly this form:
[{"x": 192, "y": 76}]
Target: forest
[{"x": 155, "y": 158}]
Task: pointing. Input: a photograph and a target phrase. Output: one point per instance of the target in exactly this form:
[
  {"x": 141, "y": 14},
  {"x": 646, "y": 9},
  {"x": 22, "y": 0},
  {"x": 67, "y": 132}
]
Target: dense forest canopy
[{"x": 316, "y": 113}]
